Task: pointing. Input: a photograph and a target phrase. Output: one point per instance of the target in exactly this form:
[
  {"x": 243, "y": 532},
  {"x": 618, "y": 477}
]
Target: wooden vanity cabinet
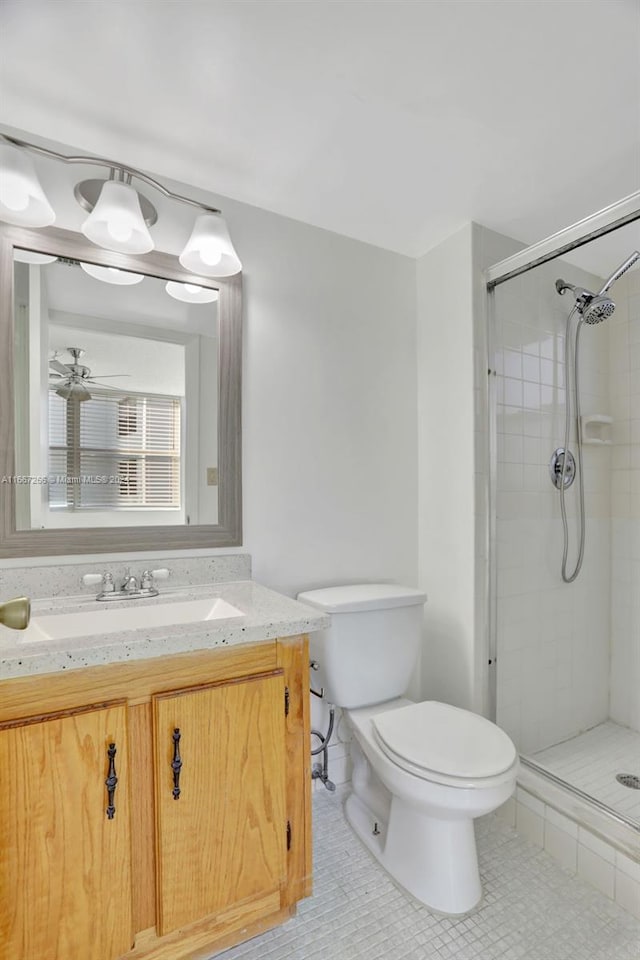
[
  {"x": 221, "y": 833},
  {"x": 210, "y": 840},
  {"x": 65, "y": 853}
]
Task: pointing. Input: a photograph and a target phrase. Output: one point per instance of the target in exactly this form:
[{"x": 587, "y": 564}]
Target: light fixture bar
[{"x": 112, "y": 165}]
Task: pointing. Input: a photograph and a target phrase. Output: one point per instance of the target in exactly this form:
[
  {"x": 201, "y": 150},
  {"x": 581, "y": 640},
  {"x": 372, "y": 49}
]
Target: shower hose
[{"x": 573, "y": 352}]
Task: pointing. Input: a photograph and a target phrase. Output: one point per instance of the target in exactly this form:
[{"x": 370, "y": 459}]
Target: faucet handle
[
  {"x": 108, "y": 586},
  {"x": 146, "y": 580},
  {"x": 149, "y": 577},
  {"x": 104, "y": 579},
  {"x": 91, "y": 579}
]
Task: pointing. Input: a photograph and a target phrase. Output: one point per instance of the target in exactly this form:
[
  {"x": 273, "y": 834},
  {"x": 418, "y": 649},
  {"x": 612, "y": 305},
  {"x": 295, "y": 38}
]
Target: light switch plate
[{"x": 212, "y": 476}]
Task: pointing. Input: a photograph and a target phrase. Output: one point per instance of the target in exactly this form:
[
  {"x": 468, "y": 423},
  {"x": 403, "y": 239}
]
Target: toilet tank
[{"x": 368, "y": 653}]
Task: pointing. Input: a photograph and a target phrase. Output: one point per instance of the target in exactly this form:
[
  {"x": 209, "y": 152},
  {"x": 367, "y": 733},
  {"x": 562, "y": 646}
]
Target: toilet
[{"x": 422, "y": 772}]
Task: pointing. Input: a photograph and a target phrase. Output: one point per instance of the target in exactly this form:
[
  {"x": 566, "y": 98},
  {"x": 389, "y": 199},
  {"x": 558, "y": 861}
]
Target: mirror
[
  {"x": 116, "y": 418},
  {"x": 124, "y": 403}
]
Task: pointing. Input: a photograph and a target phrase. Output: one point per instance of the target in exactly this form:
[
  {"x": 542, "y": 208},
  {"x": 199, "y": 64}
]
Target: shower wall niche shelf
[{"x": 596, "y": 429}]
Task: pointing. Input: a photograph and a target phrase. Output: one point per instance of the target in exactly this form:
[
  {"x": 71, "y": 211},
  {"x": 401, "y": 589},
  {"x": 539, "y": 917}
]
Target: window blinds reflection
[{"x": 115, "y": 451}]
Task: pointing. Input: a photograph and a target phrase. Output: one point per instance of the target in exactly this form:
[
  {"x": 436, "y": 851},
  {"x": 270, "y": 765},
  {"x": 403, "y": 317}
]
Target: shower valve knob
[{"x": 556, "y": 467}]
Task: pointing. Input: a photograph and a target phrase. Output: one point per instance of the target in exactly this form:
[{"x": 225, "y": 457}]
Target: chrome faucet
[
  {"x": 130, "y": 583},
  {"x": 130, "y": 588}
]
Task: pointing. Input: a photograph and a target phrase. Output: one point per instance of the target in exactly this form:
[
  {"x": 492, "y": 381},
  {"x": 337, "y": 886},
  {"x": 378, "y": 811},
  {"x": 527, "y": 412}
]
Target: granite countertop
[{"x": 266, "y": 616}]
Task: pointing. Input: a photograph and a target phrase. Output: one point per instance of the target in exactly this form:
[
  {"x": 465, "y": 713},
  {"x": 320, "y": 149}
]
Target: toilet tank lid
[{"x": 363, "y": 596}]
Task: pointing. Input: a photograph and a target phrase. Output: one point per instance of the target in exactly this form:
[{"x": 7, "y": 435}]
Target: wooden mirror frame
[{"x": 67, "y": 541}]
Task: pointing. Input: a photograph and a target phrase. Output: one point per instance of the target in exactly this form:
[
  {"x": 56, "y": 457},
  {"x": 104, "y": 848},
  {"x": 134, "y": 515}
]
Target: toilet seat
[{"x": 442, "y": 743}]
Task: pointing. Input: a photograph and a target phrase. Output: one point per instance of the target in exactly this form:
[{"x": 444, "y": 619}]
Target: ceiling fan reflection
[{"x": 75, "y": 376}]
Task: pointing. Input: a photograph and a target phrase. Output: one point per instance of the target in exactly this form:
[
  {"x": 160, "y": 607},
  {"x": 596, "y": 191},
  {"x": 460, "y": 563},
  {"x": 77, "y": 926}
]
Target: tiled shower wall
[
  {"x": 552, "y": 638},
  {"x": 624, "y": 370}
]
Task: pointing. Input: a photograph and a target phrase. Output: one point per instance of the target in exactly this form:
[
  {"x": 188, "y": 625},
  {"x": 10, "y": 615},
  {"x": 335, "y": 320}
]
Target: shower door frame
[{"x": 605, "y": 221}]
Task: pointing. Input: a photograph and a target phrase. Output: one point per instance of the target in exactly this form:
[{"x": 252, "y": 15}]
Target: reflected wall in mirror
[{"x": 124, "y": 400}]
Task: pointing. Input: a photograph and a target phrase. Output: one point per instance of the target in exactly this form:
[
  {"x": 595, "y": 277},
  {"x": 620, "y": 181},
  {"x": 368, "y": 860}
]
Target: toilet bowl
[
  {"x": 414, "y": 808},
  {"x": 422, "y": 772}
]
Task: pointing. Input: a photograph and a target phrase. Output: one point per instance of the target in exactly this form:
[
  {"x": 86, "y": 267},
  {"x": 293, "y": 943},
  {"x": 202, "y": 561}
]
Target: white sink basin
[{"x": 106, "y": 619}]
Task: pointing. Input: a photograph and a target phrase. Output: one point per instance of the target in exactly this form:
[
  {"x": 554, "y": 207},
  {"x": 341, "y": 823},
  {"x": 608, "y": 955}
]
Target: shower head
[
  {"x": 592, "y": 307},
  {"x": 628, "y": 263},
  {"x": 597, "y": 309}
]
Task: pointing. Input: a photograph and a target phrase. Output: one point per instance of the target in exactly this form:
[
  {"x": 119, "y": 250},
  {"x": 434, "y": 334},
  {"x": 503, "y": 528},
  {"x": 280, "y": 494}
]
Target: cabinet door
[
  {"x": 65, "y": 882},
  {"x": 222, "y": 840}
]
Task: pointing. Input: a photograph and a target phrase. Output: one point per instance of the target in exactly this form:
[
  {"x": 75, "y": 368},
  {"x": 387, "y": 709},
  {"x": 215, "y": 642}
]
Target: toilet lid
[{"x": 445, "y": 739}]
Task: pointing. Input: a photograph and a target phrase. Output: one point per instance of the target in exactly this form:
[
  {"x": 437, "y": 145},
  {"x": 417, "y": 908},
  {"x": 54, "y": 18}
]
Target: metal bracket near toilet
[{"x": 320, "y": 771}]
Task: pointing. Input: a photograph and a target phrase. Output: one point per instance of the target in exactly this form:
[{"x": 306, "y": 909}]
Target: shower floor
[{"x": 591, "y": 762}]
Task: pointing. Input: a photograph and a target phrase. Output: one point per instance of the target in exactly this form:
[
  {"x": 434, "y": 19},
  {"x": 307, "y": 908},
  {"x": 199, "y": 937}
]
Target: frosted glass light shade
[
  {"x": 191, "y": 292},
  {"x": 112, "y": 274},
  {"x": 116, "y": 221},
  {"x": 22, "y": 199},
  {"x": 73, "y": 391},
  {"x": 209, "y": 251}
]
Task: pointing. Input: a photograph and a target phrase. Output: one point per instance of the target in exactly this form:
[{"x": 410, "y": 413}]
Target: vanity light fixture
[
  {"x": 22, "y": 199},
  {"x": 119, "y": 215},
  {"x": 209, "y": 250},
  {"x": 191, "y": 292},
  {"x": 112, "y": 274},
  {"x": 116, "y": 221}
]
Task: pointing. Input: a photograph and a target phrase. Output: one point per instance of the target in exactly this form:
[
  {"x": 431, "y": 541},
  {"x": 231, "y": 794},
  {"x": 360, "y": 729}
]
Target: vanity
[
  {"x": 159, "y": 798},
  {"x": 155, "y": 761}
]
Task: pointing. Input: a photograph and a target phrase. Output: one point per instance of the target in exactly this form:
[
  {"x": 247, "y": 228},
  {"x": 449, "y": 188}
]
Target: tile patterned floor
[
  {"x": 532, "y": 909},
  {"x": 591, "y": 761}
]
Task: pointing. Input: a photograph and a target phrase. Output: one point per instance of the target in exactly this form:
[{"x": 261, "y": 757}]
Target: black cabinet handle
[
  {"x": 176, "y": 763},
  {"x": 112, "y": 781}
]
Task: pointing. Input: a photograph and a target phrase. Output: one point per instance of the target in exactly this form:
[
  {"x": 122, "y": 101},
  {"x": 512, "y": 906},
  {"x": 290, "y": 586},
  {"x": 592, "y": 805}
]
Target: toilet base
[{"x": 434, "y": 860}]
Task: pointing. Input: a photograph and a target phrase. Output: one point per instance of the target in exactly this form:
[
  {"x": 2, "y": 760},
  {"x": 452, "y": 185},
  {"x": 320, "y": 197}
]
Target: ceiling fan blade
[
  {"x": 60, "y": 367},
  {"x": 107, "y": 386},
  {"x": 108, "y": 376}
]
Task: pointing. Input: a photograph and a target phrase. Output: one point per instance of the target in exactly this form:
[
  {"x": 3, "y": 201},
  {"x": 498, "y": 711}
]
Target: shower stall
[{"x": 564, "y": 364}]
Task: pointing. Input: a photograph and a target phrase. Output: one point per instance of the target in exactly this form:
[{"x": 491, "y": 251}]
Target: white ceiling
[
  {"x": 391, "y": 122},
  {"x": 144, "y": 305},
  {"x": 148, "y": 366}
]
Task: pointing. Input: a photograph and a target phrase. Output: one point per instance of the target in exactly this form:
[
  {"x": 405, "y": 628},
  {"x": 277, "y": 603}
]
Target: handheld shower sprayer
[
  {"x": 591, "y": 308},
  {"x": 628, "y": 263}
]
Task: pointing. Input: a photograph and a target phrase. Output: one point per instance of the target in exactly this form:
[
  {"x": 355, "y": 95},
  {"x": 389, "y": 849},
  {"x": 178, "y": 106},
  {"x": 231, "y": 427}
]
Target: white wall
[
  {"x": 206, "y": 454},
  {"x": 329, "y": 387},
  {"x": 329, "y": 406},
  {"x": 446, "y": 468}
]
